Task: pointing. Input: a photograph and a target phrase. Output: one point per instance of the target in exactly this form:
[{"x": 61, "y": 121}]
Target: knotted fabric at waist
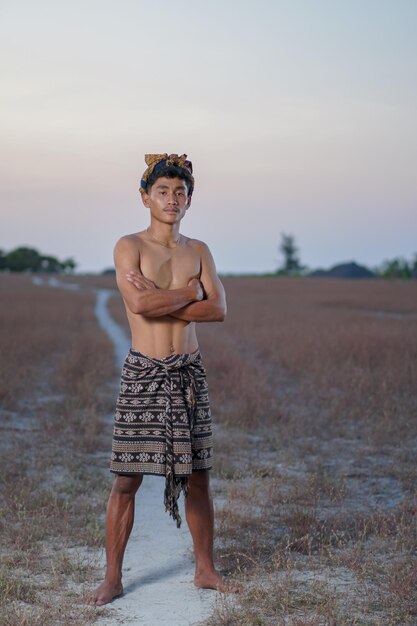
[{"x": 187, "y": 366}]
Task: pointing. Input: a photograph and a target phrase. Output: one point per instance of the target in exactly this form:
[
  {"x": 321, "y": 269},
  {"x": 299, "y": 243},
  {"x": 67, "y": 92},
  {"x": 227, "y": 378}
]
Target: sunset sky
[{"x": 299, "y": 117}]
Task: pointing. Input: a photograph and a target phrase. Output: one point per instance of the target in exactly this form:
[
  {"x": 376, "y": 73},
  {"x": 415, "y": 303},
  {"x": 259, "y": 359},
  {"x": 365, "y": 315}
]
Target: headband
[{"x": 158, "y": 161}]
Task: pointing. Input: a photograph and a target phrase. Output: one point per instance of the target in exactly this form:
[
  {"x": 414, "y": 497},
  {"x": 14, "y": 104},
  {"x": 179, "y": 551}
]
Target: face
[{"x": 167, "y": 199}]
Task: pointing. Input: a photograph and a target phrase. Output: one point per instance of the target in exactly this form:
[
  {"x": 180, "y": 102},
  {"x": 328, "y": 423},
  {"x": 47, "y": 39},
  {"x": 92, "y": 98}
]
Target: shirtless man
[{"x": 168, "y": 283}]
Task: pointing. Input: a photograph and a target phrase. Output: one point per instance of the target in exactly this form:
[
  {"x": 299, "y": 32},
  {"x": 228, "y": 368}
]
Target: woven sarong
[{"x": 162, "y": 422}]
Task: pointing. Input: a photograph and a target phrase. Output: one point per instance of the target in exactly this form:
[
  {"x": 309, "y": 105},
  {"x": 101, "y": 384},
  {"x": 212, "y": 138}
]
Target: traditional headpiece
[{"x": 158, "y": 161}]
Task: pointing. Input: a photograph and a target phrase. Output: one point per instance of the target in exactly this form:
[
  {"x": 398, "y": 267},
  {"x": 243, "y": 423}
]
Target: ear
[
  {"x": 188, "y": 203},
  {"x": 145, "y": 199}
]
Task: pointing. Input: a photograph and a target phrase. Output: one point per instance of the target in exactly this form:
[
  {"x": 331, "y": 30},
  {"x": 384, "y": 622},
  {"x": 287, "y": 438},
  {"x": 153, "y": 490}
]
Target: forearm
[
  {"x": 159, "y": 302},
  {"x": 203, "y": 311}
]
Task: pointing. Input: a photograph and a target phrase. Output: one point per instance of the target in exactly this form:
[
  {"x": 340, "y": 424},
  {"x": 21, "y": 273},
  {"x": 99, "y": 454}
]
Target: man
[{"x": 162, "y": 424}]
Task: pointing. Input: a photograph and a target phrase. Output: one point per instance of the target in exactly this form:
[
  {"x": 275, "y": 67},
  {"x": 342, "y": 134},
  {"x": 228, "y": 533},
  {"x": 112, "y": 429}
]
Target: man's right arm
[{"x": 140, "y": 294}]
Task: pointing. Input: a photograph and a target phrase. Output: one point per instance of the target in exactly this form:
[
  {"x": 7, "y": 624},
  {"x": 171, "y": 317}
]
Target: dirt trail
[{"x": 158, "y": 566}]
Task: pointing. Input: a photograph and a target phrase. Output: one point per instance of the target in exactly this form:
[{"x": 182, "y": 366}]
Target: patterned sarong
[{"x": 162, "y": 422}]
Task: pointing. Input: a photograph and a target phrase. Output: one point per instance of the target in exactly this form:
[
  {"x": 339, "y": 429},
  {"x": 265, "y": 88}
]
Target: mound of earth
[{"x": 345, "y": 270}]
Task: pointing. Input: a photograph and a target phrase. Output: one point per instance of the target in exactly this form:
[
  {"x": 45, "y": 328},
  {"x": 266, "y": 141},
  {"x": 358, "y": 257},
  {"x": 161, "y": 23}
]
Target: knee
[{"x": 126, "y": 485}]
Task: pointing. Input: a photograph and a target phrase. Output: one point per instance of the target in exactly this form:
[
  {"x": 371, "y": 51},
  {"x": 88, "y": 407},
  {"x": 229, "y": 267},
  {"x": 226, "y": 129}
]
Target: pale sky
[{"x": 299, "y": 116}]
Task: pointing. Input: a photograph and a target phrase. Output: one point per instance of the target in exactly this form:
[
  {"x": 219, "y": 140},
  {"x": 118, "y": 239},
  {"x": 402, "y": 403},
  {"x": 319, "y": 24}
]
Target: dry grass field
[
  {"x": 314, "y": 395},
  {"x": 313, "y": 384},
  {"x": 314, "y": 398},
  {"x": 55, "y": 369}
]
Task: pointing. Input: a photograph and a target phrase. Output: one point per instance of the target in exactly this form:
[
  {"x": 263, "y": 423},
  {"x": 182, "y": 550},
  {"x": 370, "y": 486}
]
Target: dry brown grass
[
  {"x": 313, "y": 389},
  {"x": 55, "y": 370},
  {"x": 318, "y": 343},
  {"x": 91, "y": 281}
]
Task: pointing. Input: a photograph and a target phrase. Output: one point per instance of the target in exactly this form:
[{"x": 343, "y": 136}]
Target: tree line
[
  {"x": 29, "y": 259},
  {"x": 292, "y": 266},
  {"x": 24, "y": 259}
]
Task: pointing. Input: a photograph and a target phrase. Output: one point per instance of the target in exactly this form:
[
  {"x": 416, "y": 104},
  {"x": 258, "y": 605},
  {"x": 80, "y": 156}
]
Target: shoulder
[
  {"x": 203, "y": 251},
  {"x": 129, "y": 242},
  {"x": 197, "y": 245}
]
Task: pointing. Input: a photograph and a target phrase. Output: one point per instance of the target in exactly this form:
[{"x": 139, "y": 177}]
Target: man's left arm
[{"x": 213, "y": 307}]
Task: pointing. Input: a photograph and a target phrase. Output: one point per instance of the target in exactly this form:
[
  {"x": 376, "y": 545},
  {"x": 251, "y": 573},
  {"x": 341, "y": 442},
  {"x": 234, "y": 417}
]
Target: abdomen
[{"x": 159, "y": 337}]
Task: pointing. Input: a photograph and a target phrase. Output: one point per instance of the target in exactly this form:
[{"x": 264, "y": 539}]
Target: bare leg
[
  {"x": 200, "y": 519},
  {"x": 119, "y": 523}
]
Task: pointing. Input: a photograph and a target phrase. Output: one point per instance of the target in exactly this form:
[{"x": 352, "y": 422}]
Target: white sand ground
[{"x": 158, "y": 566}]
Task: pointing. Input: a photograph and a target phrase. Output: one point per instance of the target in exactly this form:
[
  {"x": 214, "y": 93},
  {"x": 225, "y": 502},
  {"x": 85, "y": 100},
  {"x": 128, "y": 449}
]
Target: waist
[{"x": 172, "y": 361}]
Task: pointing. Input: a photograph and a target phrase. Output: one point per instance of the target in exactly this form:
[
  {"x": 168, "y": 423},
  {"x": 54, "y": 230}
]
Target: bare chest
[{"x": 169, "y": 268}]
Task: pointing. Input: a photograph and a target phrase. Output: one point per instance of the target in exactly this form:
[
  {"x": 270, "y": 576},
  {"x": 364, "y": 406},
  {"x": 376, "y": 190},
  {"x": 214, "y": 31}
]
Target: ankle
[
  {"x": 205, "y": 568},
  {"x": 113, "y": 579}
]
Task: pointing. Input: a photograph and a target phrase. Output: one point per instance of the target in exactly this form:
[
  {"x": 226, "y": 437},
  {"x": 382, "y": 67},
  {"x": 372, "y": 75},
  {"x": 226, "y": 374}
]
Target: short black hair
[{"x": 171, "y": 171}]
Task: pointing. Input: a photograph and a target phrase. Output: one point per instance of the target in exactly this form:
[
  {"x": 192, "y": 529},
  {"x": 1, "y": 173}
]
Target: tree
[
  {"x": 291, "y": 265},
  {"x": 412, "y": 267},
  {"x": 2, "y": 260},
  {"x": 68, "y": 265},
  {"x": 50, "y": 264},
  {"x": 398, "y": 268},
  {"x": 28, "y": 259},
  {"x": 22, "y": 259}
]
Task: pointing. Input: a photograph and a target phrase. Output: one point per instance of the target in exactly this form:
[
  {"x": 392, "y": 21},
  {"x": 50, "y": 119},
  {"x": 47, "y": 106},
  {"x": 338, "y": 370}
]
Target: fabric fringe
[{"x": 173, "y": 487}]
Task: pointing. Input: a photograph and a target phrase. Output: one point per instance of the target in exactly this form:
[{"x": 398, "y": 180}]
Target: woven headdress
[{"x": 158, "y": 161}]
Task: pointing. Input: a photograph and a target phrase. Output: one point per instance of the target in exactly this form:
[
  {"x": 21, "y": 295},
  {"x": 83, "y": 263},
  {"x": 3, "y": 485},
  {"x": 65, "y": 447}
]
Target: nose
[{"x": 172, "y": 199}]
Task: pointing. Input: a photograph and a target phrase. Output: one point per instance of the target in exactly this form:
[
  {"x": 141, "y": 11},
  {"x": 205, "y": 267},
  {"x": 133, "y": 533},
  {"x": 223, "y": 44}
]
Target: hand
[
  {"x": 139, "y": 281},
  {"x": 199, "y": 291}
]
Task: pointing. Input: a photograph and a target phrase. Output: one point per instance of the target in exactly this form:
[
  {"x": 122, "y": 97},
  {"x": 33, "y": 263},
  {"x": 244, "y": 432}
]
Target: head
[{"x": 166, "y": 186}]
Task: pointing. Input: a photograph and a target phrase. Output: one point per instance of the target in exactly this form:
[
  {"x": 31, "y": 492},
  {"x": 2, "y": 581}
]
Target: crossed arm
[{"x": 203, "y": 300}]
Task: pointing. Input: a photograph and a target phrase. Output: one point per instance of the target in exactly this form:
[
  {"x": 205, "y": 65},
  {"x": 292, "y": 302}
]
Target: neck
[{"x": 167, "y": 234}]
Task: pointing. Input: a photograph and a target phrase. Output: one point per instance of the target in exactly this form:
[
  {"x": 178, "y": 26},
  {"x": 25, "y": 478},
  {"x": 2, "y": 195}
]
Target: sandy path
[{"x": 158, "y": 567}]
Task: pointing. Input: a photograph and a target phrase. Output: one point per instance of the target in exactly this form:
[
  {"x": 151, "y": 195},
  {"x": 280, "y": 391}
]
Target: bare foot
[
  {"x": 105, "y": 593},
  {"x": 213, "y": 580}
]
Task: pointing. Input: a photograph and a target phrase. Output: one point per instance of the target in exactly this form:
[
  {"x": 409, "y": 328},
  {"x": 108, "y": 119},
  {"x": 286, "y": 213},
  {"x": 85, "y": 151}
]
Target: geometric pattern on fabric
[{"x": 162, "y": 423}]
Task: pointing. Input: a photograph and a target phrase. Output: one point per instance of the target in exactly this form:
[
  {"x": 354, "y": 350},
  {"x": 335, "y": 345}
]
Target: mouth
[{"x": 173, "y": 211}]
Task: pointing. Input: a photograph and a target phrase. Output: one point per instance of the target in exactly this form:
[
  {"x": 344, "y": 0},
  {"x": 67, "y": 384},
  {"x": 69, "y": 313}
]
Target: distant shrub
[{"x": 25, "y": 259}]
